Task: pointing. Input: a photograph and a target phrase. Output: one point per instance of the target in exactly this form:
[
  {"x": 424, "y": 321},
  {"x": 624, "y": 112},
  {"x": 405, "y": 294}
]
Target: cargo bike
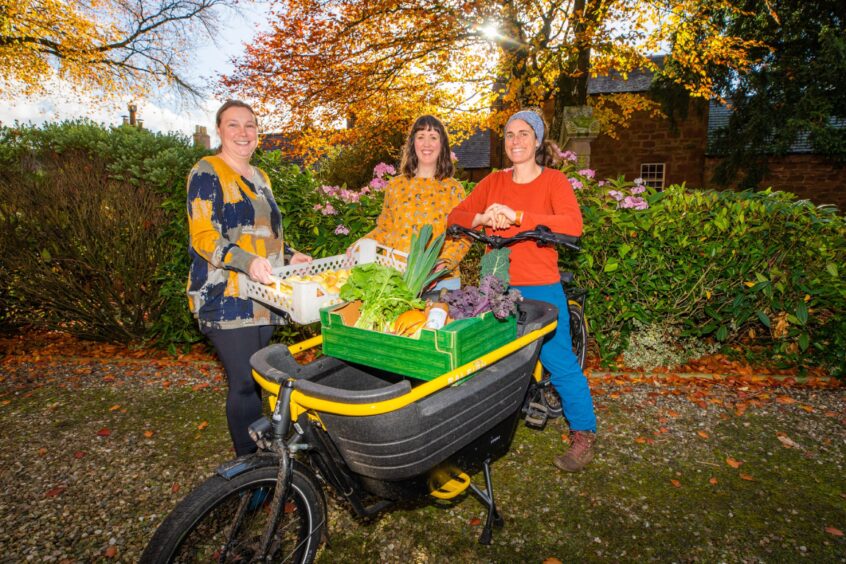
[{"x": 375, "y": 436}]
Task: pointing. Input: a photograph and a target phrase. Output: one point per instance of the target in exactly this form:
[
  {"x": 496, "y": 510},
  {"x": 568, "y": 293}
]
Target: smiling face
[
  {"x": 238, "y": 133},
  {"x": 427, "y": 147},
  {"x": 520, "y": 142}
]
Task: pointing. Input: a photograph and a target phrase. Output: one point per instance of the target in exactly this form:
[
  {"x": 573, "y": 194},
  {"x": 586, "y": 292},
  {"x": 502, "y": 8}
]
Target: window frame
[{"x": 650, "y": 177}]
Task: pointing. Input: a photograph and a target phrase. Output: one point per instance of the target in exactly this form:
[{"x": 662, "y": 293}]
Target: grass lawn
[{"x": 689, "y": 472}]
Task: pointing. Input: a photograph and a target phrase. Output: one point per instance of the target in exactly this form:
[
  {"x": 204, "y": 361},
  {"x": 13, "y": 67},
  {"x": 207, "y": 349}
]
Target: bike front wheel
[{"x": 223, "y": 521}]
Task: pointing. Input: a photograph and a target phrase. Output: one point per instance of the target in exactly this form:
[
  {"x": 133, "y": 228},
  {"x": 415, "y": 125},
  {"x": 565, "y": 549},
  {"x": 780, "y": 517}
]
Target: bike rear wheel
[
  {"x": 578, "y": 335},
  {"x": 223, "y": 520}
]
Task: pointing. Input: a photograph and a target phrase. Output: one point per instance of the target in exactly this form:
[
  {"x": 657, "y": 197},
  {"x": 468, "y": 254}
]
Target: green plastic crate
[{"x": 432, "y": 354}]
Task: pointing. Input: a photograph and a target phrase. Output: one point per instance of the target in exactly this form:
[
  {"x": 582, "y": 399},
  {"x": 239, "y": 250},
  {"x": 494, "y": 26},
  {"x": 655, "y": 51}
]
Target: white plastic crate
[{"x": 304, "y": 302}]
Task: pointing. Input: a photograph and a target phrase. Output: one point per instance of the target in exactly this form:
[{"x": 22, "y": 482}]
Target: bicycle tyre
[
  {"x": 193, "y": 530},
  {"x": 578, "y": 332},
  {"x": 578, "y": 335}
]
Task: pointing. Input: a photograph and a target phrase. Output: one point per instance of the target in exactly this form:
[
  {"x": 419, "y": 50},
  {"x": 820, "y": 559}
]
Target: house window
[{"x": 653, "y": 175}]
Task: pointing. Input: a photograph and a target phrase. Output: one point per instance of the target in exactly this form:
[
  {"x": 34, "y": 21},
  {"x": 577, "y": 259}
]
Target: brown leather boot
[{"x": 579, "y": 454}]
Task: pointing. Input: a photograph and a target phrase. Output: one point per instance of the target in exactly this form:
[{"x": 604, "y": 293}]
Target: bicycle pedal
[{"x": 536, "y": 415}]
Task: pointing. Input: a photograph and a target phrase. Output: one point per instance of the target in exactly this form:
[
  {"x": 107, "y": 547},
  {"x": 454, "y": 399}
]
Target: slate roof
[
  {"x": 474, "y": 152},
  {"x": 718, "y": 118},
  {"x": 637, "y": 81}
]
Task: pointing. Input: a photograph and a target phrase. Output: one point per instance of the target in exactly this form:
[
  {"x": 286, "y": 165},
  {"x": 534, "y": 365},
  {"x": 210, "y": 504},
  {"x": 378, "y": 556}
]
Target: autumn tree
[
  {"x": 473, "y": 61},
  {"x": 795, "y": 88},
  {"x": 109, "y": 45}
]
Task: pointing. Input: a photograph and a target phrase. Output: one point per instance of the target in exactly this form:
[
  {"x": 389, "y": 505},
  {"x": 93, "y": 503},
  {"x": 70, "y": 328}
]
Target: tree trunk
[{"x": 571, "y": 84}]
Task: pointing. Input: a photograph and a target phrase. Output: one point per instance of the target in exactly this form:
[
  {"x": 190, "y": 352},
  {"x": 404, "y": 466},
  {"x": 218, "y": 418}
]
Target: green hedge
[{"x": 757, "y": 269}]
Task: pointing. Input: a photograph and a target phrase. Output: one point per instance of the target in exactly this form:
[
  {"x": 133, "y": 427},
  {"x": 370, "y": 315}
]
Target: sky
[{"x": 161, "y": 111}]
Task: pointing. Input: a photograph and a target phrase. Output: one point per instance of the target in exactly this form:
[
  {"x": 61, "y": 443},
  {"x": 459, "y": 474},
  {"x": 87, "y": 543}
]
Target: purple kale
[{"x": 491, "y": 295}]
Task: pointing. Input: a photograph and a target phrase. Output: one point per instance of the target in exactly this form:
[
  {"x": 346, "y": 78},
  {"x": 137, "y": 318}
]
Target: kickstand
[{"x": 487, "y": 498}]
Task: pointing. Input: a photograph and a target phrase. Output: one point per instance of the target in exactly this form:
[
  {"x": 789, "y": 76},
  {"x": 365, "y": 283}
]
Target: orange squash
[{"x": 408, "y": 322}]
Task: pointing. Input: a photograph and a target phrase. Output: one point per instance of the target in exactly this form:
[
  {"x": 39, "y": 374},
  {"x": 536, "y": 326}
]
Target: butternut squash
[{"x": 408, "y": 322}]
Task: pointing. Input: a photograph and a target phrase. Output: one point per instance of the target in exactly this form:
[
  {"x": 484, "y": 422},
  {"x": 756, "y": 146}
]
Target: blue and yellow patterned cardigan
[{"x": 230, "y": 222}]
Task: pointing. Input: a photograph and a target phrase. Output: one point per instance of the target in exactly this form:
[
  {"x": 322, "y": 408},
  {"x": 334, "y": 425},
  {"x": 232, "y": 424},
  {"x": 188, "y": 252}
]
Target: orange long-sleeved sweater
[
  {"x": 547, "y": 200},
  {"x": 413, "y": 202}
]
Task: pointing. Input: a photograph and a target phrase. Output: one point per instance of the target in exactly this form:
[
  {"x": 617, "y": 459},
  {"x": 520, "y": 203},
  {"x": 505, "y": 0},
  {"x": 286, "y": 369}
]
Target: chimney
[
  {"x": 133, "y": 110},
  {"x": 201, "y": 137}
]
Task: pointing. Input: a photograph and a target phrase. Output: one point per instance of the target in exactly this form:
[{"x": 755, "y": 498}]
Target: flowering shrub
[{"x": 324, "y": 220}]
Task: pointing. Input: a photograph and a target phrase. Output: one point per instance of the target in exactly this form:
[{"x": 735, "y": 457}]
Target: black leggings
[{"x": 243, "y": 402}]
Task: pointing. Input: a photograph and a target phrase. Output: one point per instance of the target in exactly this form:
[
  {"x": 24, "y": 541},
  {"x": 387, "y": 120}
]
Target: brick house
[{"x": 662, "y": 155}]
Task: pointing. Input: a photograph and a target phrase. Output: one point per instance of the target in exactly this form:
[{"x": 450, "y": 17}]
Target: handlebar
[{"x": 541, "y": 234}]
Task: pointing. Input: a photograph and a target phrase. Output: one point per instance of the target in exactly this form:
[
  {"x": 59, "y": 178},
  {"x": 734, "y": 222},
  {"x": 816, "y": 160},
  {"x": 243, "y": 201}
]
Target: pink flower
[
  {"x": 587, "y": 173},
  {"x": 634, "y": 202},
  {"x": 568, "y": 156},
  {"x": 638, "y": 180},
  {"x": 576, "y": 184},
  {"x": 329, "y": 210},
  {"x": 342, "y": 230},
  {"x": 601, "y": 183},
  {"x": 329, "y": 190},
  {"x": 638, "y": 189},
  {"x": 382, "y": 169},
  {"x": 378, "y": 184},
  {"x": 349, "y": 196},
  {"x": 317, "y": 207},
  {"x": 615, "y": 194}
]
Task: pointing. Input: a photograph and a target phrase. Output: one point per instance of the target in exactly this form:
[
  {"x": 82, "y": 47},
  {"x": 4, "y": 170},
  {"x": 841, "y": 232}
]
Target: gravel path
[{"x": 95, "y": 454}]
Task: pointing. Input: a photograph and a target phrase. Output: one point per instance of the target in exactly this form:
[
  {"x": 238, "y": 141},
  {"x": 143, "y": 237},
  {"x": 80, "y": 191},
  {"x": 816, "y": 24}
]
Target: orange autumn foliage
[{"x": 379, "y": 63}]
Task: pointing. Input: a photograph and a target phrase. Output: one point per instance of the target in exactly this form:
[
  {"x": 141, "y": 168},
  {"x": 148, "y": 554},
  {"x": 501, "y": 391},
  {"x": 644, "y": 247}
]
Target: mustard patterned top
[{"x": 412, "y": 202}]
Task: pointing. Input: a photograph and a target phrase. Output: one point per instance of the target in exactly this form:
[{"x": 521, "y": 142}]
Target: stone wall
[
  {"x": 651, "y": 140},
  {"x": 810, "y": 177}
]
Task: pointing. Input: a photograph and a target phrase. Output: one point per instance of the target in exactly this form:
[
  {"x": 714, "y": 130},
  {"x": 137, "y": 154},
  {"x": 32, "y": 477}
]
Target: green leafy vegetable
[
  {"x": 495, "y": 263},
  {"x": 383, "y": 294},
  {"x": 422, "y": 260}
]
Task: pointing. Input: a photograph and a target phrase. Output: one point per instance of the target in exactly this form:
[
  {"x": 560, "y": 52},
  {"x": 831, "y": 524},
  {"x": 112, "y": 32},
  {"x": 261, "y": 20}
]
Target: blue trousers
[{"x": 557, "y": 356}]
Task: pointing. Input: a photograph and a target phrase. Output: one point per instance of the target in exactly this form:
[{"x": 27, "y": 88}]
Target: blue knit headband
[{"x": 532, "y": 119}]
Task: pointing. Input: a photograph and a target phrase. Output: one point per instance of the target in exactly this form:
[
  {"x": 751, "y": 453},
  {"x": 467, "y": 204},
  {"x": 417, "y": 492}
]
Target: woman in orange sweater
[
  {"x": 518, "y": 199},
  {"x": 424, "y": 192}
]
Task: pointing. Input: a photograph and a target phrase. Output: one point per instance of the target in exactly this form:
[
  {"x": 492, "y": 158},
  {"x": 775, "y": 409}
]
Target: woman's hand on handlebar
[{"x": 497, "y": 216}]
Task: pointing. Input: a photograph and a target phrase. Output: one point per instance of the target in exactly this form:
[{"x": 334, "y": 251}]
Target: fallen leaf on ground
[
  {"x": 746, "y": 477},
  {"x": 110, "y": 552},
  {"x": 149, "y": 434},
  {"x": 53, "y": 492},
  {"x": 203, "y": 425},
  {"x": 174, "y": 488},
  {"x": 475, "y": 522},
  {"x": 786, "y": 400},
  {"x": 552, "y": 560},
  {"x": 675, "y": 483},
  {"x": 834, "y": 531},
  {"x": 104, "y": 432},
  {"x": 807, "y": 408},
  {"x": 733, "y": 463},
  {"x": 42, "y": 451},
  {"x": 787, "y": 441},
  {"x": 115, "y": 407},
  {"x": 703, "y": 434},
  {"x": 712, "y": 481},
  {"x": 79, "y": 454}
]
